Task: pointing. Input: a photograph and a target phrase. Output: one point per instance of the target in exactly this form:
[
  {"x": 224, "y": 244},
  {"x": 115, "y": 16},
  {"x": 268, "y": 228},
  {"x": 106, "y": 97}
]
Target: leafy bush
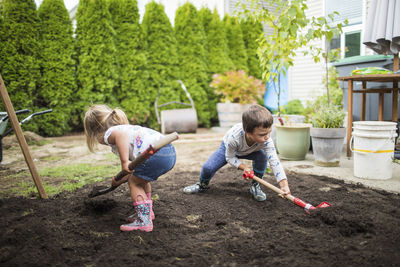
[
  {"x": 329, "y": 117},
  {"x": 238, "y": 87},
  {"x": 293, "y": 107}
]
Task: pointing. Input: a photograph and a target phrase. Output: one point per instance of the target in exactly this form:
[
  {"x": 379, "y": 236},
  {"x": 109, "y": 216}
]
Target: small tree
[
  {"x": 191, "y": 41},
  {"x": 162, "y": 58},
  {"x": 131, "y": 91},
  {"x": 237, "y": 48},
  {"x": 216, "y": 47},
  {"x": 97, "y": 72},
  {"x": 19, "y": 53},
  {"x": 329, "y": 56},
  {"x": 251, "y": 32},
  {"x": 292, "y": 30},
  {"x": 58, "y": 68}
]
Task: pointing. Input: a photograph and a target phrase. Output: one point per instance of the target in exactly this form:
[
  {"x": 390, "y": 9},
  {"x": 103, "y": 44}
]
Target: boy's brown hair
[{"x": 256, "y": 116}]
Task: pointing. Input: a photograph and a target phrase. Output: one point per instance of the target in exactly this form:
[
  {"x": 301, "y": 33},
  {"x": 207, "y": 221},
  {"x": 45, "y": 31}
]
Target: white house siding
[{"x": 305, "y": 77}]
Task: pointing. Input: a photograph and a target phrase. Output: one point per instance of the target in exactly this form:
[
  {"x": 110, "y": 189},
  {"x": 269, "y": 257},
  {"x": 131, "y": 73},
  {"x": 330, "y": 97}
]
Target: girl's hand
[{"x": 125, "y": 167}]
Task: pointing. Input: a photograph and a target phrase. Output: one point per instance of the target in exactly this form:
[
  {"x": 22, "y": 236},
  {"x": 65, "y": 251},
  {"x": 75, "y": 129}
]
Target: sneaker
[
  {"x": 196, "y": 188},
  {"x": 257, "y": 193}
]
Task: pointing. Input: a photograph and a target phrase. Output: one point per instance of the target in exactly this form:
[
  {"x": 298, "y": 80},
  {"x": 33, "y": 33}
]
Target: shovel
[
  {"x": 297, "y": 201},
  {"x": 152, "y": 149}
]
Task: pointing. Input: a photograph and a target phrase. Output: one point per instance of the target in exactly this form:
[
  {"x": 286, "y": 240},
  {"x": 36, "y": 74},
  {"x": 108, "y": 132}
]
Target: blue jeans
[
  {"x": 158, "y": 164},
  {"x": 217, "y": 160}
]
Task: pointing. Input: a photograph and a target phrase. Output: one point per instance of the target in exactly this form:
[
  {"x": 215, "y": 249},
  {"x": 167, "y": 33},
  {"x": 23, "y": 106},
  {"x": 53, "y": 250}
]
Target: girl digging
[{"x": 111, "y": 127}]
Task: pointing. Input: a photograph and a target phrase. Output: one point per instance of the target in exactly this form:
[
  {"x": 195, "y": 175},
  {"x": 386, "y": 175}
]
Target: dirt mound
[
  {"x": 221, "y": 227},
  {"x": 30, "y": 137}
]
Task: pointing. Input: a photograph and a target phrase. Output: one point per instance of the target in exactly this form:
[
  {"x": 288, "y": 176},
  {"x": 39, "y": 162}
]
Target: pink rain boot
[
  {"x": 133, "y": 217},
  {"x": 142, "y": 221},
  {"x": 152, "y": 216}
]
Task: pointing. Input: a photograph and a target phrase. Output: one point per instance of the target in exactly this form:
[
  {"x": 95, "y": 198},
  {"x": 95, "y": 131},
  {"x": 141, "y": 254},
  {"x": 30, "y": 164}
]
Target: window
[
  {"x": 351, "y": 37},
  {"x": 353, "y": 44}
]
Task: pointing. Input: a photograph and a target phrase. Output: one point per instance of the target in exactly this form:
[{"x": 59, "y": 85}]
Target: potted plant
[
  {"x": 327, "y": 135},
  {"x": 291, "y": 31},
  {"x": 237, "y": 91}
]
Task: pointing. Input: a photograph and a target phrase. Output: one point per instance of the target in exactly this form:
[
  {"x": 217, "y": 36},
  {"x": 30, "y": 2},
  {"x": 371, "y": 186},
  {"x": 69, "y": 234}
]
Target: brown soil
[{"x": 221, "y": 227}]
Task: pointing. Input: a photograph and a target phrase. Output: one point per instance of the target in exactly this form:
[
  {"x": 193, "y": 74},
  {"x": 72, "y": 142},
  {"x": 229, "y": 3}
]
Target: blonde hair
[{"x": 98, "y": 118}]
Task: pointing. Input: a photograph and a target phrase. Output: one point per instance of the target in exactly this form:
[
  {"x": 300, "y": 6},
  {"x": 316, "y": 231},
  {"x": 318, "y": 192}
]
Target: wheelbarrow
[
  {"x": 4, "y": 120},
  {"x": 182, "y": 120}
]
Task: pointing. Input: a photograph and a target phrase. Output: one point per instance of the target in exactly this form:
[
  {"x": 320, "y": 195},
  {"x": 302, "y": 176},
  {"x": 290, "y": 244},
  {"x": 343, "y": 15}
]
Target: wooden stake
[{"x": 21, "y": 138}]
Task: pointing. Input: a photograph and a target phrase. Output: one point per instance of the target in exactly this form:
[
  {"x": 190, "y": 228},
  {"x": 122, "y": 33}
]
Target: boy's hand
[
  {"x": 284, "y": 187},
  {"x": 248, "y": 174}
]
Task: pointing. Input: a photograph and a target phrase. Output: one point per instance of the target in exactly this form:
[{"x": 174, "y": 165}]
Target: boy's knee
[{"x": 259, "y": 174}]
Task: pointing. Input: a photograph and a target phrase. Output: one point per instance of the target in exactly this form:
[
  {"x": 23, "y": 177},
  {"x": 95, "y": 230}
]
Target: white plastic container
[{"x": 373, "y": 149}]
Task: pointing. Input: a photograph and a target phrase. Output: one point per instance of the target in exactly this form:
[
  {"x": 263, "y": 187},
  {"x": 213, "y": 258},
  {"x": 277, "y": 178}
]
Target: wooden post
[
  {"x": 381, "y": 106},
  {"x": 363, "y": 100},
  {"x": 21, "y": 138},
  {"x": 395, "y": 105},
  {"x": 396, "y": 62},
  {"x": 349, "y": 115}
]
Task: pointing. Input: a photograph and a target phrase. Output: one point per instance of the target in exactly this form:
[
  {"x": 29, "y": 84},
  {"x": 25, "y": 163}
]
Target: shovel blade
[{"x": 323, "y": 205}]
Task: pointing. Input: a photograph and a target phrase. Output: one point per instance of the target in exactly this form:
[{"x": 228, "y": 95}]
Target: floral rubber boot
[
  {"x": 142, "y": 221},
  {"x": 132, "y": 217}
]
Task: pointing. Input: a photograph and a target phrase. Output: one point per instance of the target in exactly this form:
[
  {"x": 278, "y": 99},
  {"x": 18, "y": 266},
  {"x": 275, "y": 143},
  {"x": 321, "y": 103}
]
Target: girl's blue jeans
[{"x": 217, "y": 160}]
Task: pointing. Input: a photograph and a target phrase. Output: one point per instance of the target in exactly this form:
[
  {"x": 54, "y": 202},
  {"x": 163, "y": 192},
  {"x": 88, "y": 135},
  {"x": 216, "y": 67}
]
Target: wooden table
[{"x": 383, "y": 78}]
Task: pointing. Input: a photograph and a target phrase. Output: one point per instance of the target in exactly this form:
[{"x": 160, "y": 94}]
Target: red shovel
[{"x": 297, "y": 201}]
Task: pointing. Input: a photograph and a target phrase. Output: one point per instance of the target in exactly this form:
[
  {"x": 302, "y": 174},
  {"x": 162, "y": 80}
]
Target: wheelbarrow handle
[
  {"x": 35, "y": 114},
  {"x": 16, "y": 113}
]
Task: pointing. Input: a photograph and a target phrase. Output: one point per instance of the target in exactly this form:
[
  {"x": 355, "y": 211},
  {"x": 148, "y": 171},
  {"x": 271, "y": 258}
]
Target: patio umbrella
[{"x": 382, "y": 30}]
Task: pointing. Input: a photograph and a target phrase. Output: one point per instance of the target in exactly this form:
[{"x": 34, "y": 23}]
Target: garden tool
[
  {"x": 152, "y": 149},
  {"x": 297, "y": 201},
  {"x": 181, "y": 120}
]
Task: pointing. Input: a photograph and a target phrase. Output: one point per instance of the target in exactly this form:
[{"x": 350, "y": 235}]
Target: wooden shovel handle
[{"x": 273, "y": 188}]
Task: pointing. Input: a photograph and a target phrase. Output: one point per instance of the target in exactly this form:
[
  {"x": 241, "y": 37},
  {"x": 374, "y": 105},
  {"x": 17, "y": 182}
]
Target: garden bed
[{"x": 222, "y": 227}]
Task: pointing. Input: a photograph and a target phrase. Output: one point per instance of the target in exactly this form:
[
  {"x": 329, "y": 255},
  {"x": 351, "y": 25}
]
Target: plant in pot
[
  {"x": 328, "y": 133},
  {"x": 237, "y": 91},
  {"x": 291, "y": 31}
]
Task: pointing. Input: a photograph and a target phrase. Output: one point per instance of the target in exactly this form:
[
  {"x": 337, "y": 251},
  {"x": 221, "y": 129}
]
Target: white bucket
[{"x": 373, "y": 149}]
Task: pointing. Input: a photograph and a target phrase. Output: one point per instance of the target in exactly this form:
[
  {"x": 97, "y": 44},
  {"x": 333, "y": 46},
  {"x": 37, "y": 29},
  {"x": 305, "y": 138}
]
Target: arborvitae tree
[
  {"x": 237, "y": 49},
  {"x": 218, "y": 52},
  {"x": 218, "y": 60},
  {"x": 18, "y": 59},
  {"x": 162, "y": 59},
  {"x": 251, "y": 32},
  {"x": 97, "y": 72},
  {"x": 58, "y": 82},
  {"x": 191, "y": 40},
  {"x": 131, "y": 93}
]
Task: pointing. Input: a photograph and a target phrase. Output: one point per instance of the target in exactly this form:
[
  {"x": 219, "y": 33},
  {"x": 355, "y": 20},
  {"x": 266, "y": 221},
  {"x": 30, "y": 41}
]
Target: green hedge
[{"x": 112, "y": 58}]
